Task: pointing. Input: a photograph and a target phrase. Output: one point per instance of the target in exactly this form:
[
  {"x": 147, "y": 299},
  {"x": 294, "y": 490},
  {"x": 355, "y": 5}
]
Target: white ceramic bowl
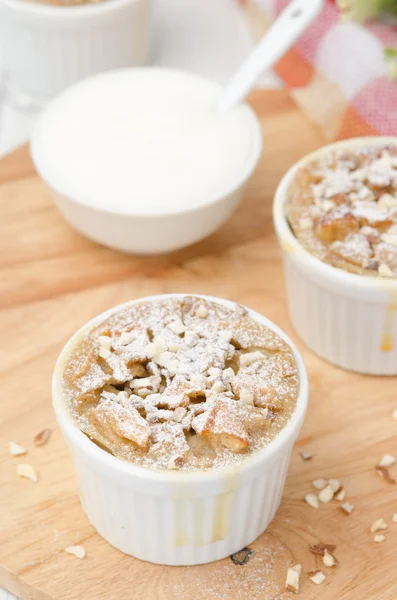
[
  {"x": 348, "y": 319},
  {"x": 132, "y": 229},
  {"x": 179, "y": 518},
  {"x": 46, "y": 48}
]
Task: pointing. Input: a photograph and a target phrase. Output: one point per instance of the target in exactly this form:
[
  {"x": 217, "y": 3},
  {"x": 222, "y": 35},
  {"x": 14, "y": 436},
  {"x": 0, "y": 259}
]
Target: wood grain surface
[{"x": 53, "y": 280}]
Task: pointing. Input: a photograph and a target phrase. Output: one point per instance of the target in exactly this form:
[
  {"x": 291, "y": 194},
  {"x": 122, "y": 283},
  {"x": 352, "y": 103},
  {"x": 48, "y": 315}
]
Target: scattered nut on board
[
  {"x": 312, "y": 500},
  {"x": 384, "y": 473},
  {"x": 341, "y": 495},
  {"x": 387, "y": 461},
  {"x": 42, "y": 437},
  {"x": 320, "y": 484},
  {"x": 328, "y": 559},
  {"x": 326, "y": 494},
  {"x": 335, "y": 485},
  {"x": 317, "y": 577},
  {"x": 16, "y": 449},
  {"x": 379, "y": 538},
  {"x": 394, "y": 414},
  {"x": 27, "y": 471},
  {"x": 306, "y": 456},
  {"x": 394, "y": 518},
  {"x": 347, "y": 508},
  {"x": 378, "y": 524},
  {"x": 293, "y": 576},
  {"x": 77, "y": 551}
]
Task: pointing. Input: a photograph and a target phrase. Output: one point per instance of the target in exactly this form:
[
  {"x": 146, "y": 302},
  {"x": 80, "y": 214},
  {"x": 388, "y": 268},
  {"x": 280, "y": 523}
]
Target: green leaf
[{"x": 390, "y": 53}]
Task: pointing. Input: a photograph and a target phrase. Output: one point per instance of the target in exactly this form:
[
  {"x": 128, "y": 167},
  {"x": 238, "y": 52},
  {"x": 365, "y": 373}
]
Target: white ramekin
[
  {"x": 135, "y": 232},
  {"x": 46, "y": 48},
  {"x": 178, "y": 518},
  {"x": 348, "y": 319}
]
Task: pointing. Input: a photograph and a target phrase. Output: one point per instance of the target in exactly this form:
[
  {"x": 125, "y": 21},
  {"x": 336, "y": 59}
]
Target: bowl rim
[
  {"x": 64, "y": 14},
  {"x": 334, "y": 275},
  {"x": 120, "y": 466},
  {"x": 250, "y": 164}
]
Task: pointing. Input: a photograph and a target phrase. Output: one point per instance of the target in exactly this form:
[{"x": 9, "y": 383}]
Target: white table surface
[{"x": 209, "y": 37}]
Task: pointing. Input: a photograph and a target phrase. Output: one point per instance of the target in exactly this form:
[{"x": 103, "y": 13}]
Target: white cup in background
[{"x": 45, "y": 48}]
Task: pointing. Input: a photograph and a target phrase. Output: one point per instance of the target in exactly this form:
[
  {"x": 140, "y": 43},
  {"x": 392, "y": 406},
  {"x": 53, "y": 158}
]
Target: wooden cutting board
[{"x": 52, "y": 280}]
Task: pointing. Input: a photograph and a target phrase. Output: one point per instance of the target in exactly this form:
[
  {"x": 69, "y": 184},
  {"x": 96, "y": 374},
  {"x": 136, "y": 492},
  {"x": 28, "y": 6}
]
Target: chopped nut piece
[
  {"x": 326, "y": 494},
  {"x": 174, "y": 347},
  {"x": 327, "y": 205},
  {"x": 16, "y": 449},
  {"x": 155, "y": 348},
  {"x": 378, "y": 524},
  {"x": 42, "y": 437},
  {"x": 214, "y": 372},
  {"x": 385, "y": 270},
  {"x": 387, "y": 201},
  {"x": 318, "y": 577},
  {"x": 177, "y": 327},
  {"x": 77, "y": 551},
  {"x": 394, "y": 414},
  {"x": 246, "y": 397},
  {"x": 341, "y": 495},
  {"x": 379, "y": 538},
  {"x": 347, "y": 508},
  {"x": 387, "y": 461},
  {"x": 384, "y": 473},
  {"x": 394, "y": 518},
  {"x": 328, "y": 559},
  {"x": 305, "y": 223},
  {"x": 320, "y": 549},
  {"x": 104, "y": 352},
  {"x": 389, "y": 239},
  {"x": 179, "y": 413},
  {"x": 298, "y": 569},
  {"x": 27, "y": 471},
  {"x": 105, "y": 341},
  {"x": 312, "y": 500},
  {"x": 202, "y": 311},
  {"x": 250, "y": 357},
  {"x": 335, "y": 485},
  {"x": 126, "y": 338},
  {"x": 319, "y": 484},
  {"x": 292, "y": 581},
  {"x": 218, "y": 386},
  {"x": 305, "y": 456}
]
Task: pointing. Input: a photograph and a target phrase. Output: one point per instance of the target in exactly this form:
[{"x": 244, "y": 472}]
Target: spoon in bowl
[{"x": 284, "y": 32}]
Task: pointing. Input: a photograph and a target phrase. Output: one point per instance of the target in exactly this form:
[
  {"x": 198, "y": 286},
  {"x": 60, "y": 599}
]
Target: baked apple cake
[
  {"x": 342, "y": 208},
  {"x": 181, "y": 383}
]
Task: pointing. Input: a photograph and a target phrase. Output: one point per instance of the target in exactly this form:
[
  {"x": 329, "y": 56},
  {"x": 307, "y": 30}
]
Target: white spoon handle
[{"x": 288, "y": 27}]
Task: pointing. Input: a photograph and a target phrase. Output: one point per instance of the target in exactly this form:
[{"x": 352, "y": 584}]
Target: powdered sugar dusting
[
  {"x": 341, "y": 205},
  {"x": 183, "y": 383},
  {"x": 263, "y": 576}
]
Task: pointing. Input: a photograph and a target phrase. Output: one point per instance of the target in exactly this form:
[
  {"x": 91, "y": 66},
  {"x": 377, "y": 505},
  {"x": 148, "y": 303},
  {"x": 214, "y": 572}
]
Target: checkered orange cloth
[{"x": 337, "y": 71}]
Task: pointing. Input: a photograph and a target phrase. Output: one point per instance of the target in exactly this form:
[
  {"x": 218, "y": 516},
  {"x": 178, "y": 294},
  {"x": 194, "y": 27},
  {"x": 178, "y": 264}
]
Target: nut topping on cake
[
  {"x": 181, "y": 384},
  {"x": 343, "y": 209}
]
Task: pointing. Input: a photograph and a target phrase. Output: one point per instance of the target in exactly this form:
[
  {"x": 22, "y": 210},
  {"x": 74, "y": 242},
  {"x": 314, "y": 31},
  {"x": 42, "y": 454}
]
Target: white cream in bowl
[{"x": 140, "y": 159}]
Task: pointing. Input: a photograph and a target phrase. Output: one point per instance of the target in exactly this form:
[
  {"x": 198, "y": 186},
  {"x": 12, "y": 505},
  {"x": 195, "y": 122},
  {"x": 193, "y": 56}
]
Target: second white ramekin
[
  {"x": 46, "y": 48},
  {"x": 179, "y": 518},
  {"x": 348, "y": 319}
]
